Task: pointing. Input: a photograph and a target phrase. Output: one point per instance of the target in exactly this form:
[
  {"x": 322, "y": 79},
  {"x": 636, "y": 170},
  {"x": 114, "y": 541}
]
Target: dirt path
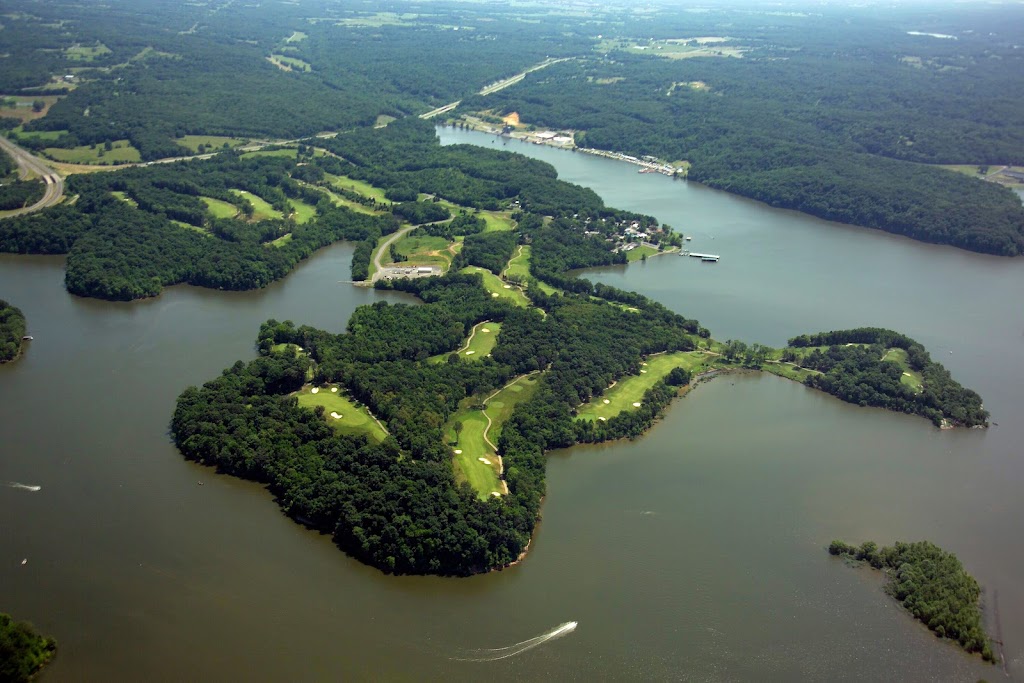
[{"x": 29, "y": 165}]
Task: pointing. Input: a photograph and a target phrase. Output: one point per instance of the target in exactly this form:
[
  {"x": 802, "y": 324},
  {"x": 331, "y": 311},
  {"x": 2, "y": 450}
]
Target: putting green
[{"x": 355, "y": 419}]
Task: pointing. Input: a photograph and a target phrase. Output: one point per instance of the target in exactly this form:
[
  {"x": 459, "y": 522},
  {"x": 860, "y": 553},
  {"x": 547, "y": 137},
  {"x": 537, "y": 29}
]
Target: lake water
[{"x": 694, "y": 553}]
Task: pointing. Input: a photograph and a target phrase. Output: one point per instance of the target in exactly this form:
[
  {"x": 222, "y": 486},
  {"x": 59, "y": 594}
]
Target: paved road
[
  {"x": 28, "y": 165},
  {"x": 378, "y": 271},
  {"x": 495, "y": 87}
]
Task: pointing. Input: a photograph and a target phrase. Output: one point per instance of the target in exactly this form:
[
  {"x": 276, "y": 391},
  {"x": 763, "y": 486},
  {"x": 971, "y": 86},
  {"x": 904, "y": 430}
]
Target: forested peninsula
[
  {"x": 12, "y": 331},
  {"x": 23, "y": 652},
  {"x": 932, "y": 585},
  {"x": 417, "y": 437}
]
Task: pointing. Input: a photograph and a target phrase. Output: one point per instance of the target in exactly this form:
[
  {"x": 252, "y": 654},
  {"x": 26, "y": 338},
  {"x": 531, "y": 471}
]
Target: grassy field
[
  {"x": 47, "y": 135},
  {"x": 303, "y": 212},
  {"x": 355, "y": 418},
  {"x": 481, "y": 341},
  {"x": 261, "y": 209},
  {"x": 344, "y": 201},
  {"x": 358, "y": 186},
  {"x": 121, "y": 153},
  {"x": 498, "y": 221},
  {"x": 219, "y": 208},
  {"x": 125, "y": 198},
  {"x": 639, "y": 253},
  {"x": 497, "y": 287},
  {"x": 21, "y": 108},
  {"x": 193, "y": 228},
  {"x": 86, "y": 53},
  {"x": 911, "y": 378},
  {"x": 519, "y": 264},
  {"x": 472, "y": 446},
  {"x": 212, "y": 142},
  {"x": 286, "y": 63},
  {"x": 281, "y": 241},
  {"x": 423, "y": 250},
  {"x": 383, "y": 120},
  {"x": 630, "y": 389}
]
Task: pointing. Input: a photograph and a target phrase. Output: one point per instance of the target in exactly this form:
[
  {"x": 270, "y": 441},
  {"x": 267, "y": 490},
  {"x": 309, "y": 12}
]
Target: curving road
[
  {"x": 378, "y": 266},
  {"x": 29, "y": 165}
]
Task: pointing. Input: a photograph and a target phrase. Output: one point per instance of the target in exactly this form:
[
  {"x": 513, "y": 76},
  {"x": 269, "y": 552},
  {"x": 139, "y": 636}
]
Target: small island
[
  {"x": 12, "y": 332},
  {"x": 932, "y": 585},
  {"x": 23, "y": 652}
]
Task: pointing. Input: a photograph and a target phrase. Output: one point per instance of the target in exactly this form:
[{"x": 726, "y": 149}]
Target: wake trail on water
[
  {"x": 494, "y": 654},
  {"x": 23, "y": 487}
]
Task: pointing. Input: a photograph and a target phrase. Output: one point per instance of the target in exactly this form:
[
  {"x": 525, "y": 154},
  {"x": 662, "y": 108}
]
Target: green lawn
[
  {"x": 344, "y": 201},
  {"x": 219, "y": 208},
  {"x": 121, "y": 153},
  {"x": 423, "y": 250},
  {"x": 281, "y": 241},
  {"x": 261, "y": 209},
  {"x": 519, "y": 264},
  {"x": 193, "y": 228},
  {"x": 125, "y": 198},
  {"x": 630, "y": 389},
  {"x": 498, "y": 288},
  {"x": 86, "y": 53},
  {"x": 639, "y": 253},
  {"x": 48, "y": 135},
  {"x": 212, "y": 142},
  {"x": 292, "y": 63},
  {"x": 354, "y": 418},
  {"x": 498, "y": 221},
  {"x": 357, "y": 186},
  {"x": 471, "y": 445},
  {"x": 303, "y": 212},
  {"x": 911, "y": 378},
  {"x": 478, "y": 346}
]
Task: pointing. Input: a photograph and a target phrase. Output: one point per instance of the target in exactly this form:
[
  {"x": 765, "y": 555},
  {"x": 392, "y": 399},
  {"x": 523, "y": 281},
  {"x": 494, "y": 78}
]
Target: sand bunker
[
  {"x": 314, "y": 390},
  {"x": 643, "y": 372},
  {"x": 495, "y": 494},
  {"x": 508, "y": 286},
  {"x": 335, "y": 415},
  {"x": 485, "y": 330},
  {"x": 606, "y": 401},
  {"x": 603, "y": 419},
  {"x": 494, "y": 294},
  {"x": 334, "y": 390},
  {"x": 643, "y": 364},
  {"x": 636, "y": 405},
  {"x": 484, "y": 461},
  {"x": 458, "y": 451},
  {"x": 470, "y": 353}
]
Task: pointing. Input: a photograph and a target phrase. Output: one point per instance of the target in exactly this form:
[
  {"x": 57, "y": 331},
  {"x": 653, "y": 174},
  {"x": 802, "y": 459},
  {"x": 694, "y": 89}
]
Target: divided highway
[{"x": 29, "y": 165}]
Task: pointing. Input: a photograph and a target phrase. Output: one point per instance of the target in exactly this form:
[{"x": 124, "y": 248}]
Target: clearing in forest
[
  {"x": 301, "y": 211},
  {"x": 121, "y": 152},
  {"x": 629, "y": 391},
  {"x": 219, "y": 208},
  {"x": 911, "y": 378},
  {"x": 262, "y": 210},
  {"x": 358, "y": 186},
  {"x": 498, "y": 287},
  {"x": 478, "y": 345},
  {"x": 344, "y": 414},
  {"x": 475, "y": 458}
]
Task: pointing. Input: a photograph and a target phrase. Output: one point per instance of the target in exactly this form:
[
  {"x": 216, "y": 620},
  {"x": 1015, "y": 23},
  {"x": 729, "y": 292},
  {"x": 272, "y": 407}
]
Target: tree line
[{"x": 12, "y": 329}]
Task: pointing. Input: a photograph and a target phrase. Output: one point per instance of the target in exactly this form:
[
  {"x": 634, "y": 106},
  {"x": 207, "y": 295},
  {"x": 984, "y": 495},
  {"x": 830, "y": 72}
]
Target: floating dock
[{"x": 705, "y": 257}]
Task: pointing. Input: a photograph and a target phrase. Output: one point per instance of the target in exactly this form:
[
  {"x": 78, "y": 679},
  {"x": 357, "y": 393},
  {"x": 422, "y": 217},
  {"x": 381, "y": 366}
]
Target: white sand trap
[
  {"x": 314, "y": 390},
  {"x": 485, "y": 330},
  {"x": 508, "y": 286},
  {"x": 298, "y": 348},
  {"x": 494, "y": 294},
  {"x": 643, "y": 364},
  {"x": 458, "y": 451},
  {"x": 643, "y": 372},
  {"x": 334, "y": 390},
  {"x": 636, "y": 405},
  {"x": 495, "y": 494},
  {"x": 335, "y": 415},
  {"x": 470, "y": 353},
  {"x": 907, "y": 374},
  {"x": 484, "y": 461},
  {"x": 603, "y": 419},
  {"x": 606, "y": 401}
]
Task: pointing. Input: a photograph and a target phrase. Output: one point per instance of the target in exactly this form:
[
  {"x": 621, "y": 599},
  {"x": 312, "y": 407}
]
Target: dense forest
[
  {"x": 23, "y": 652},
  {"x": 932, "y": 585},
  {"x": 12, "y": 329},
  {"x": 16, "y": 193},
  {"x": 851, "y": 366},
  {"x": 840, "y": 121}
]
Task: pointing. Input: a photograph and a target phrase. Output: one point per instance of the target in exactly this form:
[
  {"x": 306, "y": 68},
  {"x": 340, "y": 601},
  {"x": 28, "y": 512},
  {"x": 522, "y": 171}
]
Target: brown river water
[{"x": 694, "y": 553}]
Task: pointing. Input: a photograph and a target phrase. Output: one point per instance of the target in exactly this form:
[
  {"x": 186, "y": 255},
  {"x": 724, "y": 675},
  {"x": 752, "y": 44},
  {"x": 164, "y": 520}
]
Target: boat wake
[
  {"x": 23, "y": 487},
  {"x": 492, "y": 655}
]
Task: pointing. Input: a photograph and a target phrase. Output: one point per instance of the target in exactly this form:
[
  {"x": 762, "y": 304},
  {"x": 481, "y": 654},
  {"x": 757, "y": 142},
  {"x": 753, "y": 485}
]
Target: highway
[
  {"x": 495, "y": 87},
  {"x": 28, "y": 166}
]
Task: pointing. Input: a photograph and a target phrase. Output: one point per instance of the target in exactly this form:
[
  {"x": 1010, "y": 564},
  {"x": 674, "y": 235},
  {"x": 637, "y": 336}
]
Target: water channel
[{"x": 695, "y": 553}]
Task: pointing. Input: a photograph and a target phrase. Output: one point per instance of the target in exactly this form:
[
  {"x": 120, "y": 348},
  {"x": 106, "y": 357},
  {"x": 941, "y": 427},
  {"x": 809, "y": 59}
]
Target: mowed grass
[
  {"x": 86, "y": 53},
  {"x": 498, "y": 288},
  {"x": 122, "y": 153},
  {"x": 910, "y": 378},
  {"x": 423, "y": 250},
  {"x": 346, "y": 202},
  {"x": 639, "y": 253},
  {"x": 355, "y": 419},
  {"x": 631, "y": 389},
  {"x": 302, "y": 212},
  {"x": 285, "y": 152},
  {"x": 289, "y": 63},
  {"x": 209, "y": 142},
  {"x": 484, "y": 476},
  {"x": 498, "y": 221},
  {"x": 125, "y": 198},
  {"x": 45, "y": 135},
  {"x": 262, "y": 210},
  {"x": 219, "y": 208},
  {"x": 478, "y": 345},
  {"x": 358, "y": 186},
  {"x": 519, "y": 264}
]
